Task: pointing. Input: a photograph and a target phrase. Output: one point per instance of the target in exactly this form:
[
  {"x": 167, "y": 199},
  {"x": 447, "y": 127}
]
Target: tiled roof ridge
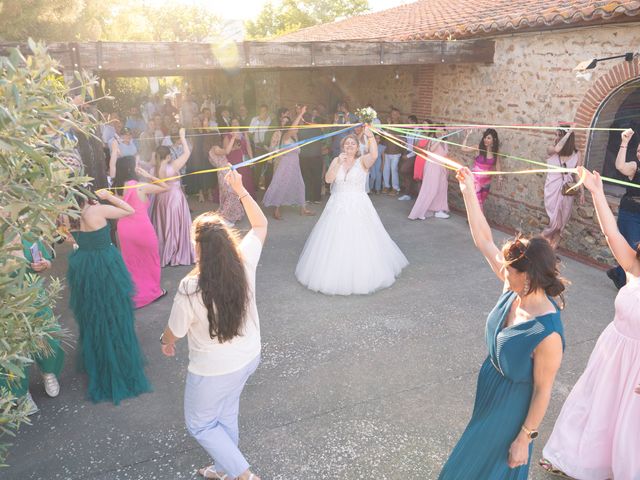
[
  {"x": 427, "y": 20},
  {"x": 609, "y": 10}
]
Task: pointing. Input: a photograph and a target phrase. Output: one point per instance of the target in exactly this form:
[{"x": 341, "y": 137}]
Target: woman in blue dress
[{"x": 525, "y": 340}]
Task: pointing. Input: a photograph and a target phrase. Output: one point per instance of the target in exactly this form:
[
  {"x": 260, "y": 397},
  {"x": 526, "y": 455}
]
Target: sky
[{"x": 249, "y": 9}]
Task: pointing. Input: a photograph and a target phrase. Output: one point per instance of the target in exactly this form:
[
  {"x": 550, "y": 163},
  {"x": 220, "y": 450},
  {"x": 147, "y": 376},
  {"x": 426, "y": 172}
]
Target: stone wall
[
  {"x": 530, "y": 82},
  {"x": 384, "y": 87}
]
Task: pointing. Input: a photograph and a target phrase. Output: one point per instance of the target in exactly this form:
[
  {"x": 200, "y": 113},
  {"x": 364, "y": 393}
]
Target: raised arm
[
  {"x": 118, "y": 208},
  {"x": 332, "y": 171},
  {"x": 228, "y": 142},
  {"x": 256, "y": 216},
  {"x": 151, "y": 188},
  {"x": 625, "y": 255},
  {"x": 275, "y": 140},
  {"x": 293, "y": 128},
  {"x": 480, "y": 230},
  {"x": 179, "y": 162},
  {"x": 625, "y": 168},
  {"x": 557, "y": 148},
  {"x": 369, "y": 158},
  {"x": 114, "y": 158},
  {"x": 248, "y": 141},
  {"x": 465, "y": 148}
]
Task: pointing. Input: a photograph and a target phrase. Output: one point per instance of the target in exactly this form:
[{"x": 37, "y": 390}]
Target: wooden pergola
[{"x": 129, "y": 59}]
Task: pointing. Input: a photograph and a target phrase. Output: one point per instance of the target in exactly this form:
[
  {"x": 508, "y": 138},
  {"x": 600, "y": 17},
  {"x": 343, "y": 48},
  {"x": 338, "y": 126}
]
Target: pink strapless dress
[
  {"x": 139, "y": 246},
  {"x": 597, "y": 435}
]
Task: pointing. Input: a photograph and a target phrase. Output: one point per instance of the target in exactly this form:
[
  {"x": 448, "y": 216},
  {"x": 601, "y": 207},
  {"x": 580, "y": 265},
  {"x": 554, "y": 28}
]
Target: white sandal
[{"x": 210, "y": 469}]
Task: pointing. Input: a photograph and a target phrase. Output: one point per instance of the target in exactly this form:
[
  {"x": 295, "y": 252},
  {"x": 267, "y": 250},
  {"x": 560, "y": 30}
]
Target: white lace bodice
[{"x": 352, "y": 181}]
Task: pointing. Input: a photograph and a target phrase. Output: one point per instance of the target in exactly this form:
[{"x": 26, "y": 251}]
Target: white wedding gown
[{"x": 349, "y": 251}]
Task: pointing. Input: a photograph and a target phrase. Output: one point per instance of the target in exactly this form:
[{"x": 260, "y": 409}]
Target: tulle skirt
[
  {"x": 597, "y": 435},
  {"x": 349, "y": 251},
  {"x": 100, "y": 298}
]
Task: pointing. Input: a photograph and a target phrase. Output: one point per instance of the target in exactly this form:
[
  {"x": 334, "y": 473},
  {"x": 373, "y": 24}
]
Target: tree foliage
[
  {"x": 292, "y": 15},
  {"x": 37, "y": 185},
  {"x": 116, "y": 20}
]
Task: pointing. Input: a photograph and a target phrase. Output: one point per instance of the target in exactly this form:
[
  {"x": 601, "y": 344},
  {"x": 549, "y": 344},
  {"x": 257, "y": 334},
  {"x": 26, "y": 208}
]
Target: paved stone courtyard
[{"x": 361, "y": 387}]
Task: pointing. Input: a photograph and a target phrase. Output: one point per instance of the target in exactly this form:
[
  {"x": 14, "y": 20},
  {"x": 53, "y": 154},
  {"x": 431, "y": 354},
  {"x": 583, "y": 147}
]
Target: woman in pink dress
[
  {"x": 597, "y": 435},
  {"x": 238, "y": 148},
  {"x": 486, "y": 160},
  {"x": 432, "y": 199},
  {"x": 171, "y": 217},
  {"x": 287, "y": 185},
  {"x": 138, "y": 240},
  {"x": 558, "y": 206}
]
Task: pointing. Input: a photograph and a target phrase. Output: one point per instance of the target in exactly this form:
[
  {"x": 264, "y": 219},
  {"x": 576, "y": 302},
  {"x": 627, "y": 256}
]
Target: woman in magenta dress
[
  {"x": 597, "y": 435},
  {"x": 432, "y": 199},
  {"x": 486, "y": 160},
  {"x": 558, "y": 206},
  {"x": 238, "y": 149},
  {"x": 171, "y": 217},
  {"x": 138, "y": 239},
  {"x": 287, "y": 185}
]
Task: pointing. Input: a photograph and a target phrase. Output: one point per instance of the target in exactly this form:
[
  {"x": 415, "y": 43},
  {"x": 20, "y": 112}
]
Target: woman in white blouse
[{"x": 215, "y": 306}]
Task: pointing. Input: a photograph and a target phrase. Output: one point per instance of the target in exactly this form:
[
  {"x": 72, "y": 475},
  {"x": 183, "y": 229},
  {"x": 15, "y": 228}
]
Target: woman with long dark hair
[
  {"x": 487, "y": 160},
  {"x": 170, "y": 216},
  {"x": 138, "y": 239},
  {"x": 558, "y": 195},
  {"x": 100, "y": 299},
  {"x": 216, "y": 307},
  {"x": 525, "y": 339},
  {"x": 596, "y": 434}
]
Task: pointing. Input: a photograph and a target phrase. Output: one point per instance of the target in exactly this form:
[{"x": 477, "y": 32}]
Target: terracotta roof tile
[{"x": 444, "y": 19}]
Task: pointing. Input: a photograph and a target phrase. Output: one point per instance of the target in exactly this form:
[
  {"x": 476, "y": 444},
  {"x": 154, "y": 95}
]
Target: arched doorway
[{"x": 621, "y": 109}]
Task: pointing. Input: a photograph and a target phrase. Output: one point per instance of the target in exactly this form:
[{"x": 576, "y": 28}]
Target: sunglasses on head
[{"x": 516, "y": 251}]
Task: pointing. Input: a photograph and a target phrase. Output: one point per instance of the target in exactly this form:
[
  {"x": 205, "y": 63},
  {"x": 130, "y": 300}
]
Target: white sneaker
[
  {"x": 31, "y": 405},
  {"x": 51, "y": 384},
  {"x": 404, "y": 198},
  {"x": 442, "y": 215}
]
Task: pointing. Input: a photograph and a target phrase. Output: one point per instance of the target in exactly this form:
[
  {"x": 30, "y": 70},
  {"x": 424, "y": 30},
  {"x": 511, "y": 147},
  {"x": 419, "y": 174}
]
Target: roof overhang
[{"x": 180, "y": 58}]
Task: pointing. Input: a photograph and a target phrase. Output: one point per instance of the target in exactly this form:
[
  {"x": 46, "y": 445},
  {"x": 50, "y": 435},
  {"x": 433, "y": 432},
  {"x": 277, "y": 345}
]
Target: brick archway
[{"x": 603, "y": 87}]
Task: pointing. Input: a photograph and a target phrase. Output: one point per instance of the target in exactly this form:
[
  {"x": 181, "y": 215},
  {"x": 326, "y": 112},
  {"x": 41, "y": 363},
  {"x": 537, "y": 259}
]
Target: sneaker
[
  {"x": 385, "y": 191},
  {"x": 612, "y": 273},
  {"x": 31, "y": 406},
  {"x": 441, "y": 215},
  {"x": 51, "y": 384},
  {"x": 393, "y": 193},
  {"x": 404, "y": 198}
]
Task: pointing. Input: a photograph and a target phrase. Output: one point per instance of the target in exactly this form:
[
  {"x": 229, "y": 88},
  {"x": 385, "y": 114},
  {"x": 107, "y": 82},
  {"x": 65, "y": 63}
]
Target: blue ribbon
[{"x": 289, "y": 146}]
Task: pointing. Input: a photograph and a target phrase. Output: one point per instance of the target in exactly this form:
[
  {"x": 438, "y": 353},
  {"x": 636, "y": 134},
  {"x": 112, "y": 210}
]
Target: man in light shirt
[{"x": 258, "y": 133}]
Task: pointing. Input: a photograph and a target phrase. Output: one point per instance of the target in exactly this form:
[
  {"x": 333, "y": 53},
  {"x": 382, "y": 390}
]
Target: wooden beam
[{"x": 179, "y": 58}]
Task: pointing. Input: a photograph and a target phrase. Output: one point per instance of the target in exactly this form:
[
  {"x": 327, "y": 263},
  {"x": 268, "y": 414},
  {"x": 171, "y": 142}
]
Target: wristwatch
[{"x": 532, "y": 434}]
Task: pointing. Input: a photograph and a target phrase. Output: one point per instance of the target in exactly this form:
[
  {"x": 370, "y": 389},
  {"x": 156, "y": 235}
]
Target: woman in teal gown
[
  {"x": 525, "y": 339},
  {"x": 100, "y": 298}
]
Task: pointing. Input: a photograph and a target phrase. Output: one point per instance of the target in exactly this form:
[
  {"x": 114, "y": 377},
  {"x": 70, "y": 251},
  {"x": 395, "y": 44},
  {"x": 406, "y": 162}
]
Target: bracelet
[
  {"x": 623, "y": 146},
  {"x": 245, "y": 195}
]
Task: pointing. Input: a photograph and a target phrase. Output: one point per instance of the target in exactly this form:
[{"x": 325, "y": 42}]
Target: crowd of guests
[{"x": 143, "y": 223}]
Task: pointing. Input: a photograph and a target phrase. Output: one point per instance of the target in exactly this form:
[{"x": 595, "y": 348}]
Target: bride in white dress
[{"x": 349, "y": 251}]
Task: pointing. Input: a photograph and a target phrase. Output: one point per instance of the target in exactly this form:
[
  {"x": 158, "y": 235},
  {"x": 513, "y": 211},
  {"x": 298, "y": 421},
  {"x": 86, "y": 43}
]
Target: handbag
[{"x": 568, "y": 187}]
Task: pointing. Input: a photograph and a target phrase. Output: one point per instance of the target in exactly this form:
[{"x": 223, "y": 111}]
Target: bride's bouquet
[{"x": 366, "y": 115}]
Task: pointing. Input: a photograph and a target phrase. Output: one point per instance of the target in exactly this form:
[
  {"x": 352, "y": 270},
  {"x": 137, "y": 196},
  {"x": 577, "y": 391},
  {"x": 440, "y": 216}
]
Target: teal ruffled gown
[
  {"x": 100, "y": 298},
  {"x": 505, "y": 385}
]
